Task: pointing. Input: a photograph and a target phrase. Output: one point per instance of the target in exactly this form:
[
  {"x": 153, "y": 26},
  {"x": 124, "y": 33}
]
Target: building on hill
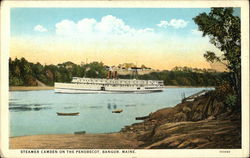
[
  {"x": 129, "y": 68},
  {"x": 197, "y": 70}
]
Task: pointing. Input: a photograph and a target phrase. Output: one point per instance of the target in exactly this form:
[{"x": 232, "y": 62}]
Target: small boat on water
[
  {"x": 67, "y": 114},
  {"x": 141, "y": 118},
  {"x": 80, "y": 132},
  {"x": 117, "y": 111}
]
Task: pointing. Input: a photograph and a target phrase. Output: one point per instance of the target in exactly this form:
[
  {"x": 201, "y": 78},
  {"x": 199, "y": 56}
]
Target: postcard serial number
[{"x": 224, "y": 151}]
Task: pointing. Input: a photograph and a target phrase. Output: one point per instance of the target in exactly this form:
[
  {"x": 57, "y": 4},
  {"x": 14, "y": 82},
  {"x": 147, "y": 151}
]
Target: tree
[
  {"x": 223, "y": 29},
  {"x": 95, "y": 70}
]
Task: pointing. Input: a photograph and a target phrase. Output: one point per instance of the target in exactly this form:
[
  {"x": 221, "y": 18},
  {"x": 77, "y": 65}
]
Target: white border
[{"x": 5, "y": 36}]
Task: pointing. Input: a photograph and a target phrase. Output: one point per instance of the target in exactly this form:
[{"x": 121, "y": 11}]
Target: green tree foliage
[
  {"x": 223, "y": 29},
  {"x": 95, "y": 70},
  {"x": 184, "y": 78},
  {"x": 24, "y": 73}
]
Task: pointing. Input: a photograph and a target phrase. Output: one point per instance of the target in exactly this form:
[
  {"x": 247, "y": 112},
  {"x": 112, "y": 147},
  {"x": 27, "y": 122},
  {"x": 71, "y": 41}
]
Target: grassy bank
[{"x": 29, "y": 88}]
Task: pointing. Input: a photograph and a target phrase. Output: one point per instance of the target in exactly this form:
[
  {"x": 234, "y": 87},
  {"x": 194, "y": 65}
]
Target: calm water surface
[{"x": 34, "y": 112}]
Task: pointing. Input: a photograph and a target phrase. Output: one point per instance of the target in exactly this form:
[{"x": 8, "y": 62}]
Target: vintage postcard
[{"x": 125, "y": 79}]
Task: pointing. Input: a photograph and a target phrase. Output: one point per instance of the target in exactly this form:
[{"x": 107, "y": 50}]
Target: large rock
[{"x": 203, "y": 123}]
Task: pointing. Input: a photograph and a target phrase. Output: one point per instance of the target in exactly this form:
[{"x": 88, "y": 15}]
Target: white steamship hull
[
  {"x": 93, "y": 85},
  {"x": 78, "y": 88}
]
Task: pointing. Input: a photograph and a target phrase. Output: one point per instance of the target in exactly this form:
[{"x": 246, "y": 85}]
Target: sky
[{"x": 160, "y": 38}]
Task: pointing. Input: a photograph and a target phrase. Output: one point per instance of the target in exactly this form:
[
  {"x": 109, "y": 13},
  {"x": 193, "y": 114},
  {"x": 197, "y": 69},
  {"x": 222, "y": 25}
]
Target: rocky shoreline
[{"x": 204, "y": 123}]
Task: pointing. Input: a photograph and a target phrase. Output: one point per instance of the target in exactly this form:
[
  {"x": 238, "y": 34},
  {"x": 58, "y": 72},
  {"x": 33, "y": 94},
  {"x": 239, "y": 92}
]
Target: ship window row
[
  {"x": 105, "y": 80},
  {"x": 121, "y": 81},
  {"x": 117, "y": 85}
]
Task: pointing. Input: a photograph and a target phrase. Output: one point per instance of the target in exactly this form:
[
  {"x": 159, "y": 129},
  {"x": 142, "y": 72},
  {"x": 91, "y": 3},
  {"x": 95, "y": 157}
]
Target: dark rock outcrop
[{"x": 203, "y": 123}]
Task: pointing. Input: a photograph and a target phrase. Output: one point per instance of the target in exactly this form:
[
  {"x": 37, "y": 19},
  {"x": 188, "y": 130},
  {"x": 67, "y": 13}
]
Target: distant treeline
[
  {"x": 24, "y": 73},
  {"x": 185, "y": 78}
]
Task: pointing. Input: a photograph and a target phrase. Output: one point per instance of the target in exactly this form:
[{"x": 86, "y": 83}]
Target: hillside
[{"x": 25, "y": 73}]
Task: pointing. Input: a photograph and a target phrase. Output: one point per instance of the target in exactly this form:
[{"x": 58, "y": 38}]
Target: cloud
[
  {"x": 40, "y": 28},
  {"x": 175, "y": 23},
  {"x": 86, "y": 25},
  {"x": 65, "y": 27},
  {"x": 196, "y": 32},
  {"x": 108, "y": 26}
]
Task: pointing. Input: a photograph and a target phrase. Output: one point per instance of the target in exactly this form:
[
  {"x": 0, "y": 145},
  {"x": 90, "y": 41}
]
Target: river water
[{"x": 34, "y": 112}]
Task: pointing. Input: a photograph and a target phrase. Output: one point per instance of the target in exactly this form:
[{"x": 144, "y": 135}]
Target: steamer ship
[{"x": 111, "y": 84}]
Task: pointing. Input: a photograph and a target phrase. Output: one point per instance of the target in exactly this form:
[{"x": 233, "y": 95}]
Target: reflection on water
[
  {"x": 109, "y": 106},
  {"x": 128, "y": 105},
  {"x": 15, "y": 107},
  {"x": 69, "y": 107},
  {"x": 30, "y": 114},
  {"x": 95, "y": 107},
  {"x": 19, "y": 108},
  {"x": 112, "y": 106}
]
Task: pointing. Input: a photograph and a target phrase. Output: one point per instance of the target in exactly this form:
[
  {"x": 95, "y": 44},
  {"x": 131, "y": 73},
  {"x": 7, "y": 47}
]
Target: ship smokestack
[
  {"x": 112, "y": 74},
  {"x": 109, "y": 74},
  {"x": 115, "y": 75}
]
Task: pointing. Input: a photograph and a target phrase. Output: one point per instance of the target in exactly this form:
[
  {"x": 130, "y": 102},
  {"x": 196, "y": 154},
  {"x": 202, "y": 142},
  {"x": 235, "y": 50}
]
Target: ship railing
[
  {"x": 119, "y": 84},
  {"x": 105, "y": 80}
]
